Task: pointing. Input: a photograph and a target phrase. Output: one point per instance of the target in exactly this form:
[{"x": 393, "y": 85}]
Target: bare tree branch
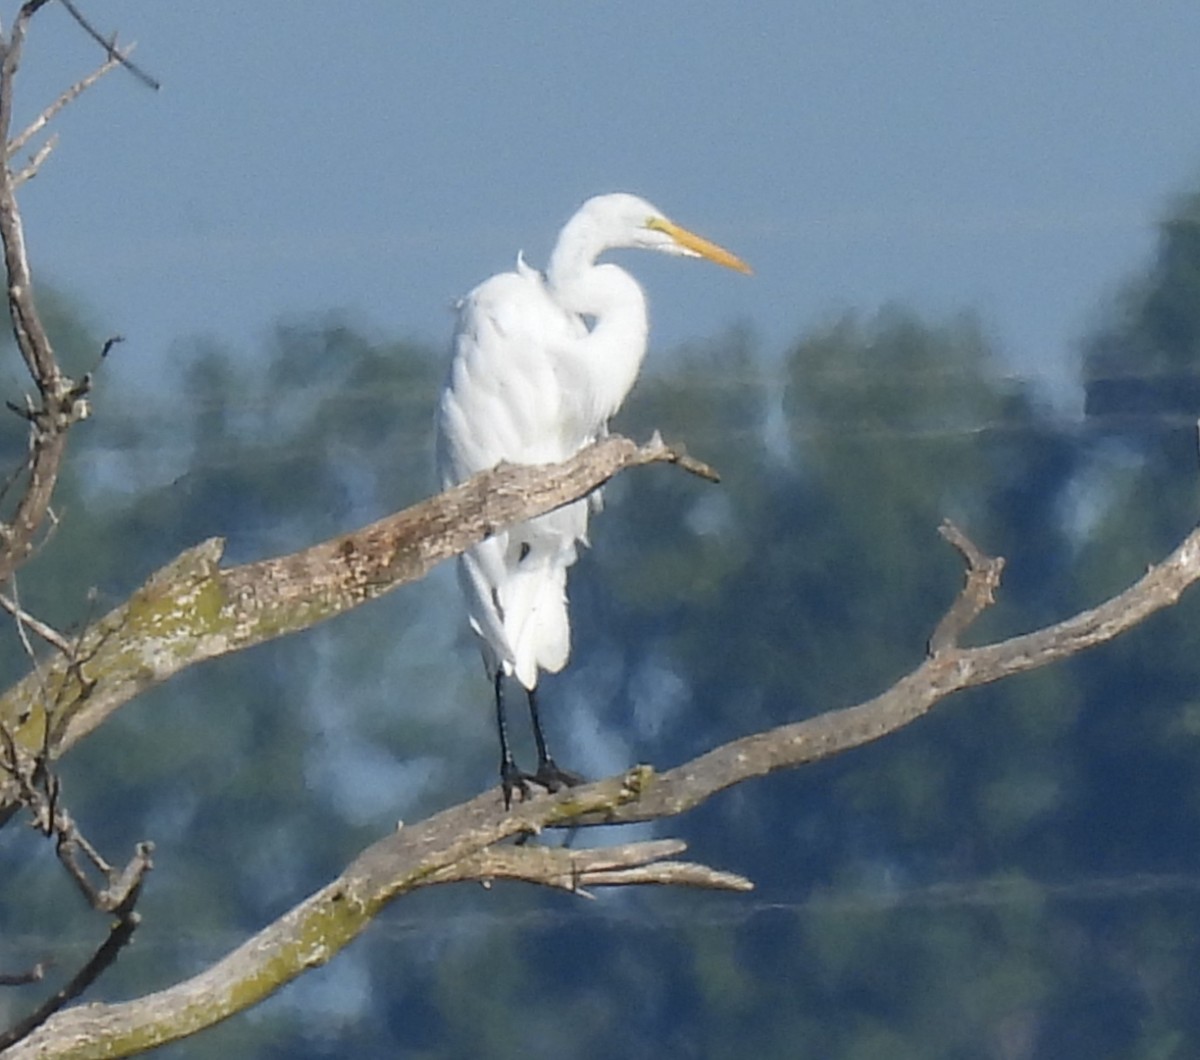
[
  {"x": 62, "y": 403},
  {"x": 34, "y": 975},
  {"x": 25, "y": 621},
  {"x": 983, "y": 579},
  {"x": 39, "y": 791},
  {"x": 31, "y": 168},
  {"x": 68, "y": 96},
  {"x": 949, "y": 671},
  {"x": 460, "y": 843},
  {"x": 119, "y": 936},
  {"x": 311, "y": 933},
  {"x": 109, "y": 44},
  {"x": 27, "y": 326},
  {"x": 575, "y": 870},
  {"x": 194, "y": 610}
]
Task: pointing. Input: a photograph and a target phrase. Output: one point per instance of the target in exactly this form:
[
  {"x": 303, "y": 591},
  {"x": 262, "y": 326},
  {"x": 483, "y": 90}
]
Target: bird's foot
[
  {"x": 553, "y": 777},
  {"x": 513, "y": 779},
  {"x": 549, "y": 775}
]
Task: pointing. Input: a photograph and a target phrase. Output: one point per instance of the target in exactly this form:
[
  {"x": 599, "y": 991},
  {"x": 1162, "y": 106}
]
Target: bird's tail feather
[{"x": 534, "y": 603}]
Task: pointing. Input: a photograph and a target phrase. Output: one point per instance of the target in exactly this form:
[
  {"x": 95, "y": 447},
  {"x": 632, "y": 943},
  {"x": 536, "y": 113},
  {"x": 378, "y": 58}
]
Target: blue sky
[{"x": 384, "y": 156}]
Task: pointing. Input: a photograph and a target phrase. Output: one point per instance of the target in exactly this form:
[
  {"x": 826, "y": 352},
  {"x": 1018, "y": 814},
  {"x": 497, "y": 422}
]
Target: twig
[
  {"x": 110, "y": 46},
  {"x": 124, "y": 887},
  {"x": 36, "y": 663},
  {"x": 49, "y": 422},
  {"x": 10, "y": 763},
  {"x": 30, "y": 170},
  {"x": 119, "y": 936},
  {"x": 27, "y": 328},
  {"x": 69, "y": 843},
  {"x": 35, "y": 975},
  {"x": 983, "y": 579},
  {"x": 671, "y": 874},
  {"x": 575, "y": 870},
  {"x": 48, "y": 633},
  {"x": 68, "y": 96},
  {"x": 678, "y": 455},
  {"x": 119, "y": 896},
  {"x": 120, "y": 888}
]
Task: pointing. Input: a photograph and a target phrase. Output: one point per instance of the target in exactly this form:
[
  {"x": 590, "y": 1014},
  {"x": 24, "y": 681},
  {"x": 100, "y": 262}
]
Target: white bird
[{"x": 540, "y": 363}]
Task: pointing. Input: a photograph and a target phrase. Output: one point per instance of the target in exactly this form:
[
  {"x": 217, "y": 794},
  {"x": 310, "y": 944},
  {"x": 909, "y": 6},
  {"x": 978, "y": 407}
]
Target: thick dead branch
[
  {"x": 443, "y": 849},
  {"x": 193, "y": 609}
]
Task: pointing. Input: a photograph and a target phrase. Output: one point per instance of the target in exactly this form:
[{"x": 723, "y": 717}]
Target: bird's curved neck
[
  {"x": 581, "y": 286},
  {"x": 612, "y": 302},
  {"x": 579, "y": 245}
]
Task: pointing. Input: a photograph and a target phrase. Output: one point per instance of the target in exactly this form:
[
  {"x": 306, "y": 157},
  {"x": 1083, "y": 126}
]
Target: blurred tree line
[{"x": 1014, "y": 876}]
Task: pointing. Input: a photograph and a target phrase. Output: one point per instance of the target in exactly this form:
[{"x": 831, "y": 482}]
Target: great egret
[{"x": 540, "y": 362}]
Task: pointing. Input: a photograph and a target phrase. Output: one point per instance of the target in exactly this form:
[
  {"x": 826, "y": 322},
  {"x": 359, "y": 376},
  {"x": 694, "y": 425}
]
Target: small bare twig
[
  {"x": 109, "y": 44},
  {"x": 24, "y": 619},
  {"x": 20, "y": 616},
  {"x": 671, "y": 874},
  {"x": 119, "y": 886},
  {"x": 40, "y": 791},
  {"x": 68, "y": 96},
  {"x": 979, "y": 593},
  {"x": 69, "y": 845},
  {"x": 576, "y": 870},
  {"x": 34, "y": 975},
  {"x": 19, "y": 765},
  {"x": 678, "y": 455},
  {"x": 118, "y": 938},
  {"x": 30, "y": 169}
]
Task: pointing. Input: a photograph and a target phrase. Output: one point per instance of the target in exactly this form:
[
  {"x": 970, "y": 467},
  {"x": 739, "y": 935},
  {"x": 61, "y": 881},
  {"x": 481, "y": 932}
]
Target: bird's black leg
[
  {"x": 511, "y": 778},
  {"x": 549, "y": 774}
]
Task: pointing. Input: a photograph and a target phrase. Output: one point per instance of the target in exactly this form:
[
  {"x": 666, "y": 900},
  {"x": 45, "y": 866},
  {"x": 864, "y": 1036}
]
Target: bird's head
[{"x": 622, "y": 220}]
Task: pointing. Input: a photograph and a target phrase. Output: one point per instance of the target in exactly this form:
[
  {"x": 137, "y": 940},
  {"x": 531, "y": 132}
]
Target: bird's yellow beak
[{"x": 699, "y": 245}]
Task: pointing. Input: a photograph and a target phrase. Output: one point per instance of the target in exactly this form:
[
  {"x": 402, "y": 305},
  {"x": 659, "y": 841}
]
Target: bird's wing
[
  {"x": 509, "y": 397},
  {"x": 503, "y": 398}
]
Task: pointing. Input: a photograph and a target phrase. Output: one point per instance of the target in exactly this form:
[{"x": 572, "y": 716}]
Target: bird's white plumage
[
  {"x": 507, "y": 399},
  {"x": 539, "y": 364}
]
